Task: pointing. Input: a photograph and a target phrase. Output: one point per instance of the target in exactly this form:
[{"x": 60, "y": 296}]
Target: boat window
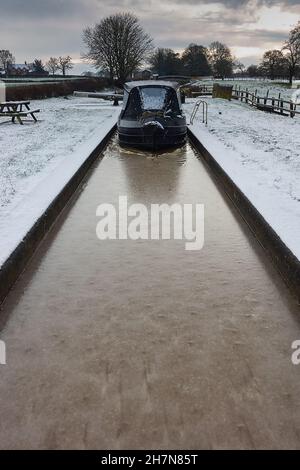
[
  {"x": 153, "y": 97},
  {"x": 133, "y": 108},
  {"x": 159, "y": 98},
  {"x": 125, "y": 98}
]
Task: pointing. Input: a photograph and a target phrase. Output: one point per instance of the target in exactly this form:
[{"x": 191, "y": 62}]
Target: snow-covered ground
[
  {"x": 37, "y": 160},
  {"x": 262, "y": 87},
  {"x": 261, "y": 153},
  {"x": 30, "y": 152}
]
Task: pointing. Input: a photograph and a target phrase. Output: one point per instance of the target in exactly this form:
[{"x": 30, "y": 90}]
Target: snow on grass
[
  {"x": 37, "y": 160},
  {"x": 262, "y": 87},
  {"x": 261, "y": 153},
  {"x": 29, "y": 152}
]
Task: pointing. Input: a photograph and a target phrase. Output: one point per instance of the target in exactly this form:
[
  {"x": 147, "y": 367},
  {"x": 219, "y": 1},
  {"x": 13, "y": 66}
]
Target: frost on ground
[
  {"x": 37, "y": 160},
  {"x": 30, "y": 152},
  {"x": 261, "y": 153},
  {"x": 261, "y": 86}
]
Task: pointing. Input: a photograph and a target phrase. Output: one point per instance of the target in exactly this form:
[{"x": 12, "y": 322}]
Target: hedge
[{"x": 50, "y": 90}]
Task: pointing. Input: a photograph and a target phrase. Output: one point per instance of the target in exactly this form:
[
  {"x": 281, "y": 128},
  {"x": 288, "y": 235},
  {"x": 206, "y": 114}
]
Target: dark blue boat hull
[{"x": 152, "y": 137}]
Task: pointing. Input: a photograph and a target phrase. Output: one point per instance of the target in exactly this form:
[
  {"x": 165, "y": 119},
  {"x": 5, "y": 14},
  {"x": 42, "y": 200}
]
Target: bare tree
[
  {"x": 221, "y": 59},
  {"x": 166, "y": 62},
  {"x": 292, "y": 51},
  {"x": 64, "y": 64},
  {"x": 254, "y": 71},
  {"x": 118, "y": 44},
  {"x": 239, "y": 66},
  {"x": 38, "y": 67},
  {"x": 6, "y": 59},
  {"x": 195, "y": 62},
  {"x": 52, "y": 65},
  {"x": 273, "y": 64}
]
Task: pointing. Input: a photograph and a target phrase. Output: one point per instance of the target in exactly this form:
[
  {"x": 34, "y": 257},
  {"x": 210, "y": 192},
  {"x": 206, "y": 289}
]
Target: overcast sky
[{"x": 40, "y": 28}]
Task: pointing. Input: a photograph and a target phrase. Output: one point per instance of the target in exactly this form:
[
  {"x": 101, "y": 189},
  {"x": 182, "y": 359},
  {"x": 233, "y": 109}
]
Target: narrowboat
[{"x": 152, "y": 115}]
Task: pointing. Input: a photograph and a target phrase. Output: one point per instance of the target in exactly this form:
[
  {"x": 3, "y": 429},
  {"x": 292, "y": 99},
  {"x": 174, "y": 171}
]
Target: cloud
[
  {"x": 40, "y": 28},
  {"x": 41, "y": 8},
  {"x": 240, "y": 3}
]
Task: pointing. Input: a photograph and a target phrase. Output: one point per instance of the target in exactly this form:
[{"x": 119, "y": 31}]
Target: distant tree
[
  {"x": 166, "y": 62},
  {"x": 194, "y": 60},
  {"x": 52, "y": 65},
  {"x": 221, "y": 59},
  {"x": 273, "y": 64},
  {"x": 87, "y": 73},
  {"x": 118, "y": 45},
  {"x": 253, "y": 71},
  {"x": 38, "y": 67},
  {"x": 291, "y": 49},
  {"x": 6, "y": 59},
  {"x": 239, "y": 66},
  {"x": 65, "y": 64}
]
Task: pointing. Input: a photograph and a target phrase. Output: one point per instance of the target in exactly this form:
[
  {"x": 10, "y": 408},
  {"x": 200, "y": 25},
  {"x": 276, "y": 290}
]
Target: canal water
[{"x": 123, "y": 344}]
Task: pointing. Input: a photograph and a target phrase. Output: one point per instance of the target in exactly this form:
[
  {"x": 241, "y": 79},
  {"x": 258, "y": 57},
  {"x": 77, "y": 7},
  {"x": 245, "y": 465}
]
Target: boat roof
[{"x": 142, "y": 83}]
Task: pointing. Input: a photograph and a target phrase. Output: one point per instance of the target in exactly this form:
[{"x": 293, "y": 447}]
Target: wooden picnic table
[{"x": 15, "y": 110}]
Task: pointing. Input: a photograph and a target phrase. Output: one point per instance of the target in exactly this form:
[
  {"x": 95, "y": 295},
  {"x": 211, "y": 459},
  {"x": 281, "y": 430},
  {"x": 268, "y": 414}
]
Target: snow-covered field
[
  {"x": 262, "y": 87},
  {"x": 30, "y": 152},
  {"x": 261, "y": 152},
  {"x": 36, "y": 160}
]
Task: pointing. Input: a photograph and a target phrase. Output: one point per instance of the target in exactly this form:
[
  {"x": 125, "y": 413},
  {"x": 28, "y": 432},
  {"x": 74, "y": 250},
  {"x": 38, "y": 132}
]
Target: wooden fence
[
  {"x": 266, "y": 103},
  {"x": 202, "y": 90},
  {"x": 263, "y": 103}
]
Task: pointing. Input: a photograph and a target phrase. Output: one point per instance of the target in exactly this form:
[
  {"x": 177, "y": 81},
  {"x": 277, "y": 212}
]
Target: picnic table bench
[{"x": 17, "y": 110}]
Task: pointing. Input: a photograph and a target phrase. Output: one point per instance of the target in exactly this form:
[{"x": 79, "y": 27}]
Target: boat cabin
[{"x": 152, "y": 115}]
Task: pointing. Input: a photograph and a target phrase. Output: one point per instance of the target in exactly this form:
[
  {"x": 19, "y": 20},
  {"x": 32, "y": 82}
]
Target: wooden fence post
[
  {"x": 266, "y": 98},
  {"x": 277, "y": 104},
  {"x": 292, "y": 114}
]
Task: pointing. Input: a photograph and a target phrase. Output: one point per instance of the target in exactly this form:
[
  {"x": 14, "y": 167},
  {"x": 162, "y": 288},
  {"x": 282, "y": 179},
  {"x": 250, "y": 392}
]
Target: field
[
  {"x": 48, "y": 78},
  {"x": 29, "y": 152},
  {"x": 10, "y": 83},
  {"x": 262, "y": 87}
]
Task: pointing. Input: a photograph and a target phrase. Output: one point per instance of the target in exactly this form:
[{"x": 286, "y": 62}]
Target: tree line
[
  {"x": 196, "y": 60},
  {"x": 118, "y": 45},
  {"x": 278, "y": 63},
  {"x": 53, "y": 65}
]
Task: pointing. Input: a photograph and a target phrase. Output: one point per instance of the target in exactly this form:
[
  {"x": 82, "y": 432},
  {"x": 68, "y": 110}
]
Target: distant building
[
  {"x": 24, "y": 70},
  {"x": 142, "y": 75},
  {"x": 20, "y": 70}
]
